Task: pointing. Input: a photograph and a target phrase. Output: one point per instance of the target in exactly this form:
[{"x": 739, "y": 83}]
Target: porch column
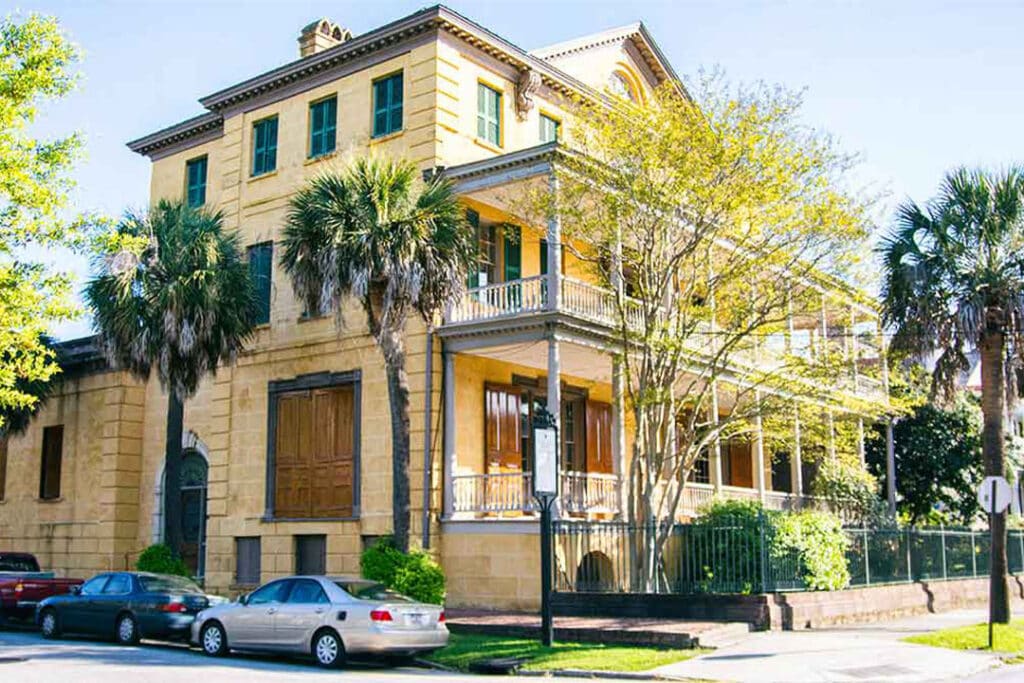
[
  {"x": 619, "y": 431},
  {"x": 554, "y": 256},
  {"x": 716, "y": 448},
  {"x": 448, "y": 359},
  {"x": 890, "y": 466},
  {"x": 555, "y": 403},
  {"x": 759, "y": 477},
  {"x": 831, "y": 434},
  {"x": 795, "y": 462}
]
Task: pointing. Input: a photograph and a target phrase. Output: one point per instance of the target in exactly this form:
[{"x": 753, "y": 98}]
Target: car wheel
[
  {"x": 213, "y": 640},
  {"x": 127, "y": 632},
  {"x": 328, "y": 649},
  {"x": 49, "y": 625}
]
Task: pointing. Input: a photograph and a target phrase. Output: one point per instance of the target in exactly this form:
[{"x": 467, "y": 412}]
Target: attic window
[{"x": 621, "y": 86}]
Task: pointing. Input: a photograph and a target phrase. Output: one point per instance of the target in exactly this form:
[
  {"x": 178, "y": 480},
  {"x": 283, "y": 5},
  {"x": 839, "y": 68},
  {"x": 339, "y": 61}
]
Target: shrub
[
  {"x": 851, "y": 488},
  {"x": 415, "y": 574},
  {"x": 160, "y": 559},
  {"x": 819, "y": 544}
]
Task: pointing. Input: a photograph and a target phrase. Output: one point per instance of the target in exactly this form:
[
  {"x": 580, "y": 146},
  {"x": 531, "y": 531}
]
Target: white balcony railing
[
  {"x": 505, "y": 492},
  {"x": 696, "y": 497},
  {"x": 501, "y": 300}
]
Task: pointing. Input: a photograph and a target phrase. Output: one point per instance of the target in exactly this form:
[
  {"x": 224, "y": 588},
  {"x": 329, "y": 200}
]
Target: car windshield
[
  {"x": 368, "y": 590},
  {"x": 14, "y": 563},
  {"x": 159, "y": 584}
]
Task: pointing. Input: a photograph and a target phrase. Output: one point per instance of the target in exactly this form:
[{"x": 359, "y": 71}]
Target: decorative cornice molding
[{"x": 210, "y": 122}]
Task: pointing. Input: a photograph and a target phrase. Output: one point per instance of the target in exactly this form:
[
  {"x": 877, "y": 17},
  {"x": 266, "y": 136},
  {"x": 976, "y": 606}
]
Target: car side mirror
[
  {"x": 76, "y": 590},
  {"x": 243, "y": 599}
]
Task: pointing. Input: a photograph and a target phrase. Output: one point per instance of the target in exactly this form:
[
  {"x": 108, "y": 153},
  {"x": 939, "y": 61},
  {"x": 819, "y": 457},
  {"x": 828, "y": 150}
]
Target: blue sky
[{"x": 915, "y": 87}]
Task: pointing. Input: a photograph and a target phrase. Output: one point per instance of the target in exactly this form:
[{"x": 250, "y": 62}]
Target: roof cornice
[{"x": 179, "y": 132}]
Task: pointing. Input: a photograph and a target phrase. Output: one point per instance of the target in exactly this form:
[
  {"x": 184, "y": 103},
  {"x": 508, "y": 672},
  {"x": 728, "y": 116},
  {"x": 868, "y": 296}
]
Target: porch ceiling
[{"x": 576, "y": 360}]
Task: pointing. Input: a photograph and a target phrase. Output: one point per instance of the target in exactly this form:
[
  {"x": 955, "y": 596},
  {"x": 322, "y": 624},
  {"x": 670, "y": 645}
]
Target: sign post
[
  {"x": 994, "y": 496},
  {"x": 545, "y": 489}
]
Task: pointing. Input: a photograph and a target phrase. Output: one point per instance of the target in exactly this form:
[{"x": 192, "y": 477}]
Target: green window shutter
[
  {"x": 195, "y": 191},
  {"x": 488, "y": 116},
  {"x": 473, "y": 218},
  {"x": 387, "y": 105},
  {"x": 260, "y": 267},
  {"x": 543, "y": 257},
  {"x": 548, "y": 129},
  {"x": 264, "y": 153},
  {"x": 513, "y": 253},
  {"x": 323, "y": 120}
]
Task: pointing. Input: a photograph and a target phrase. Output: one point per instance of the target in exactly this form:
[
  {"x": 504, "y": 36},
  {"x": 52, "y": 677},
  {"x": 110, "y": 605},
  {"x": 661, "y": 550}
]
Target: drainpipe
[{"x": 427, "y": 459}]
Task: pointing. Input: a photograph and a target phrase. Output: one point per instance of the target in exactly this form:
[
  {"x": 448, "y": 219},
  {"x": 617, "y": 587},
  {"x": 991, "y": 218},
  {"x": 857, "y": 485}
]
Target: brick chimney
[{"x": 321, "y": 35}]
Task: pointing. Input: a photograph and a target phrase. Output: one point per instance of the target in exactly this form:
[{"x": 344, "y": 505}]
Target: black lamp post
[{"x": 544, "y": 443}]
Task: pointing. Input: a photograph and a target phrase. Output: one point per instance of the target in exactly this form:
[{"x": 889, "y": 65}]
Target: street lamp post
[{"x": 544, "y": 442}]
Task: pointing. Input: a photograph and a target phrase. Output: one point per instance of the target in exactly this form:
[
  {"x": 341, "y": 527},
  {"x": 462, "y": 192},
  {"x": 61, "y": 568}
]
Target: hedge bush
[
  {"x": 160, "y": 559},
  {"x": 817, "y": 540},
  {"x": 414, "y": 574}
]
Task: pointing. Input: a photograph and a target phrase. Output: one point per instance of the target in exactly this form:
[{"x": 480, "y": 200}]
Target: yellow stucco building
[{"x": 84, "y": 485}]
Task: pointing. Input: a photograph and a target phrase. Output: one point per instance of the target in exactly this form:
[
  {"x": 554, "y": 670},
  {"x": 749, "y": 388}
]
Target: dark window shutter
[
  {"x": 247, "y": 560},
  {"x": 513, "y": 253},
  {"x": 311, "y": 554},
  {"x": 49, "y": 479},
  {"x": 473, "y": 218},
  {"x": 543, "y": 257},
  {"x": 261, "y": 257}
]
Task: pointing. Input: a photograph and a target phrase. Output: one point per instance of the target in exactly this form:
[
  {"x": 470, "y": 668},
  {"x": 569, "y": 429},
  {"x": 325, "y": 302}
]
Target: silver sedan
[{"x": 325, "y": 617}]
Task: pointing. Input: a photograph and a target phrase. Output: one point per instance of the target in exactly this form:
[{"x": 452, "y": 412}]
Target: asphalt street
[{"x": 26, "y": 658}]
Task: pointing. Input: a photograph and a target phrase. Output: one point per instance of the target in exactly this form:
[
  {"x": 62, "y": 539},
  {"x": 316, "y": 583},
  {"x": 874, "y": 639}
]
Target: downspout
[{"x": 427, "y": 459}]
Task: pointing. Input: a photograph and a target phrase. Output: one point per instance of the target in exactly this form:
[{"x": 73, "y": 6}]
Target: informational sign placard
[
  {"x": 994, "y": 494},
  {"x": 545, "y": 462}
]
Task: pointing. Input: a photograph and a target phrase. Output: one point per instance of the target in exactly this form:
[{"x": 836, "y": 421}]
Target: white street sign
[
  {"x": 545, "y": 464},
  {"x": 1003, "y": 494}
]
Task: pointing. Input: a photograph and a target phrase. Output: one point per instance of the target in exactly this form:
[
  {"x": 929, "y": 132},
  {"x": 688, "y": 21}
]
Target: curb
[{"x": 612, "y": 675}]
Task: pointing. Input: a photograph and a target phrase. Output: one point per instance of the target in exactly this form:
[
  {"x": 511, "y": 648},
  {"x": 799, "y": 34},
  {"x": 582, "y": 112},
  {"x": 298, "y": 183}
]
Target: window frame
[
  {"x": 390, "y": 108},
  {"x": 254, "y": 172},
  {"x": 483, "y": 116},
  {"x": 203, "y": 159},
  {"x": 43, "y": 479},
  {"x": 311, "y": 153},
  {"x": 320, "y": 380},
  {"x": 557, "y": 124}
]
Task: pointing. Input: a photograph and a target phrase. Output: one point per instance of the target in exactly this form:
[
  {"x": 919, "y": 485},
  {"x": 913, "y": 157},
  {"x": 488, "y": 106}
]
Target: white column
[
  {"x": 831, "y": 434},
  {"x": 619, "y": 431},
  {"x": 555, "y": 403},
  {"x": 448, "y": 359},
  {"x": 716, "y": 449},
  {"x": 795, "y": 462},
  {"x": 554, "y": 255},
  {"x": 890, "y": 466},
  {"x": 759, "y": 462}
]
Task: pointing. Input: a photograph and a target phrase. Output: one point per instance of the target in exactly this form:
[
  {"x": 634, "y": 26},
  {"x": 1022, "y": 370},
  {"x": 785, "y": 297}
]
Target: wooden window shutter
[
  {"x": 599, "y": 437},
  {"x": 513, "y": 253},
  {"x": 49, "y": 479},
  {"x": 502, "y": 428}
]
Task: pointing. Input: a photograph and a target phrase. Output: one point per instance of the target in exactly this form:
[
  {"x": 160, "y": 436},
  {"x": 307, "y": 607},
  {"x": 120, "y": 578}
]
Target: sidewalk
[{"x": 861, "y": 652}]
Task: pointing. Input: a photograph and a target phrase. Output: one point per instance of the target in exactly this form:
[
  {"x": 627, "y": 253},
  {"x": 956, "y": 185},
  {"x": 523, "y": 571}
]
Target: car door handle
[
  {"x": 319, "y": 610},
  {"x": 272, "y": 610}
]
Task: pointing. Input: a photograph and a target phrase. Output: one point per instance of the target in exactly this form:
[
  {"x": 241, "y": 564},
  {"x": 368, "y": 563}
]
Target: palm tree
[
  {"x": 953, "y": 282},
  {"x": 401, "y": 247},
  {"x": 177, "y": 301}
]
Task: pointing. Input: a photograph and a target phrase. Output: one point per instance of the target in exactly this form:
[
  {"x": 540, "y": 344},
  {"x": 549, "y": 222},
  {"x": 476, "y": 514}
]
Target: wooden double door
[{"x": 585, "y": 427}]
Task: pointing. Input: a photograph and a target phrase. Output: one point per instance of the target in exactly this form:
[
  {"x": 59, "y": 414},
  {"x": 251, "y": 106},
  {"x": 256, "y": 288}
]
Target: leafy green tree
[
  {"x": 399, "y": 246},
  {"x": 953, "y": 280},
  {"x": 175, "y": 300},
  {"x": 36, "y": 63},
  {"x": 938, "y": 460}
]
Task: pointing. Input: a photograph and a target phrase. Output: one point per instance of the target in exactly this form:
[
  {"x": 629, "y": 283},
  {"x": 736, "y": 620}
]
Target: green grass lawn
[
  {"x": 465, "y": 648},
  {"x": 1006, "y": 638}
]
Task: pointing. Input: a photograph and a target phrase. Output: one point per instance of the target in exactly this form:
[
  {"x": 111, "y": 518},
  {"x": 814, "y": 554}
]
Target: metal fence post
[
  {"x": 942, "y": 535},
  {"x": 867, "y": 561},
  {"x": 764, "y": 554},
  {"x": 974, "y": 556}
]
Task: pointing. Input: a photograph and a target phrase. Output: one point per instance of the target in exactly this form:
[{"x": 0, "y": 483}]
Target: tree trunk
[
  {"x": 992, "y": 403},
  {"x": 398, "y": 396},
  {"x": 172, "y": 474}
]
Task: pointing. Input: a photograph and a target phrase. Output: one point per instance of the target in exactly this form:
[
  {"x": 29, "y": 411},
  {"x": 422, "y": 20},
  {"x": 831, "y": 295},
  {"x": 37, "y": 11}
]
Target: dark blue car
[{"x": 126, "y": 606}]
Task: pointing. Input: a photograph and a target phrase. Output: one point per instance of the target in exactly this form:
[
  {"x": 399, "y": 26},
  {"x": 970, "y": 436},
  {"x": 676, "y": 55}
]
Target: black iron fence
[{"x": 739, "y": 556}]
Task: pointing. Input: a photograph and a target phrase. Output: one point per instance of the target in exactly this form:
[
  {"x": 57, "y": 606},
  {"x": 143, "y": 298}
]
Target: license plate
[{"x": 416, "y": 619}]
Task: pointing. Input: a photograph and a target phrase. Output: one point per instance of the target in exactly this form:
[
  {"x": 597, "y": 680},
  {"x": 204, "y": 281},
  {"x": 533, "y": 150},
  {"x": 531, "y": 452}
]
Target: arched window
[{"x": 621, "y": 86}]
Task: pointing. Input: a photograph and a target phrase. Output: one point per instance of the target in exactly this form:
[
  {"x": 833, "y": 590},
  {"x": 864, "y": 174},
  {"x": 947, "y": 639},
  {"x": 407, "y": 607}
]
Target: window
[
  {"x": 94, "y": 586},
  {"x": 261, "y": 258},
  {"x": 195, "y": 182},
  {"x": 3, "y": 467},
  {"x": 311, "y": 554},
  {"x": 323, "y": 122},
  {"x": 314, "y": 437},
  {"x": 119, "y": 584},
  {"x": 513, "y": 252},
  {"x": 701, "y": 472},
  {"x": 387, "y": 105},
  {"x": 488, "y": 114},
  {"x": 264, "y": 146},
  {"x": 247, "y": 560},
  {"x": 307, "y": 592},
  {"x": 549, "y": 128},
  {"x": 272, "y": 592},
  {"x": 49, "y": 471},
  {"x": 620, "y": 86}
]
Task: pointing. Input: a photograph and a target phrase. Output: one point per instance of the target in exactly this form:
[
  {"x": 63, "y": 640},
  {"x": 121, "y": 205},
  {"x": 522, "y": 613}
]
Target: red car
[{"x": 23, "y": 585}]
